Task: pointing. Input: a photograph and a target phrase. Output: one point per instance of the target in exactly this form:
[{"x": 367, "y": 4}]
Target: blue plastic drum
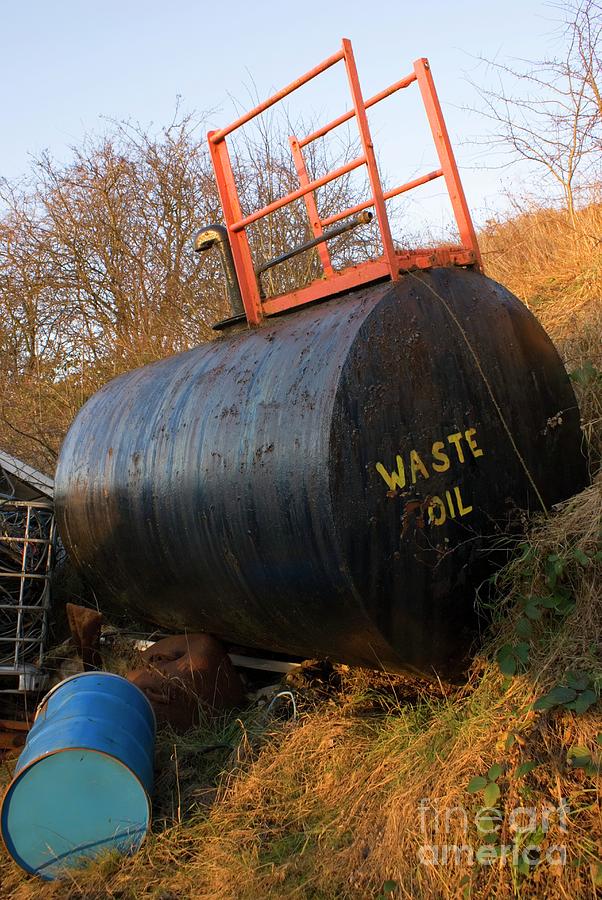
[{"x": 83, "y": 782}]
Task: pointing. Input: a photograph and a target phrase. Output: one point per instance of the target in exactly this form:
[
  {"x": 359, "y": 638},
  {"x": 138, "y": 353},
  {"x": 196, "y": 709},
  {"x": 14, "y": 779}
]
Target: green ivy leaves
[
  {"x": 581, "y": 758},
  {"x": 587, "y": 374},
  {"x": 525, "y": 767},
  {"x": 487, "y": 785},
  {"x": 513, "y": 657},
  {"x": 575, "y": 693}
]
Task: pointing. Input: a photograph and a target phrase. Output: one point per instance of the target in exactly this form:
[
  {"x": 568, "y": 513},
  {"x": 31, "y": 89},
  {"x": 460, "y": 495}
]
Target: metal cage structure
[
  {"x": 27, "y": 543},
  {"x": 392, "y": 263}
]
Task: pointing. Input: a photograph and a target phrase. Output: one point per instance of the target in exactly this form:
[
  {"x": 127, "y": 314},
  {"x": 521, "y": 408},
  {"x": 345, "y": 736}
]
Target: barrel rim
[
  {"x": 55, "y": 688},
  {"x": 21, "y": 863}
]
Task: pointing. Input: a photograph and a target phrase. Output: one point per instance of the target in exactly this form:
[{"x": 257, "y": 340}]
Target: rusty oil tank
[{"x": 332, "y": 483}]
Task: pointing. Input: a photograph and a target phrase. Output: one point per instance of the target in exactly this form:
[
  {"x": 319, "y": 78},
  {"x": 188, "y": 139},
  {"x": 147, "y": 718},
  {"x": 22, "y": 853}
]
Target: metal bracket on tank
[
  {"x": 218, "y": 235},
  {"x": 364, "y": 218}
]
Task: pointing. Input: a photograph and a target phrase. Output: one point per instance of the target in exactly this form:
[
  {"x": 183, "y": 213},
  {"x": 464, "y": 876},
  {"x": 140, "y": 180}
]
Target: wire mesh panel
[{"x": 27, "y": 533}]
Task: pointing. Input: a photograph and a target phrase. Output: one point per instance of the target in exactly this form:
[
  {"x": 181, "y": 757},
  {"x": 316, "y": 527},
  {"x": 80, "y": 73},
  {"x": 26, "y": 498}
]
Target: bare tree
[
  {"x": 548, "y": 112},
  {"x": 97, "y": 272},
  {"x": 583, "y": 30},
  {"x": 97, "y": 275}
]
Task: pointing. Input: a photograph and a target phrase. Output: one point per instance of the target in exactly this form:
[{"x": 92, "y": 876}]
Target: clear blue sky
[{"x": 67, "y": 64}]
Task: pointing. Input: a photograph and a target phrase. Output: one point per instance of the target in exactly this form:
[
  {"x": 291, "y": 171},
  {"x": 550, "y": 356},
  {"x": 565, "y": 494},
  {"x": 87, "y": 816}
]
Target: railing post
[
  {"x": 241, "y": 252},
  {"x": 446, "y": 158},
  {"x": 311, "y": 205},
  {"x": 368, "y": 147}
]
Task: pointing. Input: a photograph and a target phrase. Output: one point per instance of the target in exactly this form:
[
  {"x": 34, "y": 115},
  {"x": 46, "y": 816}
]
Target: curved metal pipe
[{"x": 218, "y": 235}]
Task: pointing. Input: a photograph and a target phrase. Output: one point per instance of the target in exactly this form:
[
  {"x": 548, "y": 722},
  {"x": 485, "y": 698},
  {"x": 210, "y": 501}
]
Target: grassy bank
[
  {"x": 377, "y": 788},
  {"x": 373, "y": 777}
]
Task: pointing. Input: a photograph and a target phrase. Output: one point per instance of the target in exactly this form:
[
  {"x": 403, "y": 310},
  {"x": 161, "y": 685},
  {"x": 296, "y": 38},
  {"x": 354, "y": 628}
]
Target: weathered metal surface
[
  {"x": 327, "y": 484},
  {"x": 18, "y": 481}
]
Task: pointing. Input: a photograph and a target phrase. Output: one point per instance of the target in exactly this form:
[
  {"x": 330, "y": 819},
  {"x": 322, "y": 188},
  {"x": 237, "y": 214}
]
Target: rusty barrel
[{"x": 331, "y": 483}]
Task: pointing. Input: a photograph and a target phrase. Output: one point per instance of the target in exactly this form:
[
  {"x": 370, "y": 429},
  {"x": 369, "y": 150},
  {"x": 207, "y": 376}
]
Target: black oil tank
[{"x": 328, "y": 484}]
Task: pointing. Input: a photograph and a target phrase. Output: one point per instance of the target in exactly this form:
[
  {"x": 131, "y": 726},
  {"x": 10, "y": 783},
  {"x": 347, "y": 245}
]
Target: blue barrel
[{"x": 83, "y": 782}]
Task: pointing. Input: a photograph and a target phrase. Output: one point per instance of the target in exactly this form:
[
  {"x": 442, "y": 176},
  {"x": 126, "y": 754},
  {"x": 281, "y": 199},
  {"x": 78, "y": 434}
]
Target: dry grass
[
  {"x": 553, "y": 266},
  {"x": 342, "y": 802},
  {"x": 330, "y": 805},
  {"x": 556, "y": 270}
]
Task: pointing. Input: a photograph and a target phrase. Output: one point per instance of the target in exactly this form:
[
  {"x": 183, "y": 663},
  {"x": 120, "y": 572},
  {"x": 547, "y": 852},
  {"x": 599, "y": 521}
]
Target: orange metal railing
[{"x": 391, "y": 264}]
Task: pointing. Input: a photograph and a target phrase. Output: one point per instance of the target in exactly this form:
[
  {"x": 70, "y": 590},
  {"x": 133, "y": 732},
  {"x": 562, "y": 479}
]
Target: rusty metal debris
[
  {"x": 85, "y": 626},
  {"x": 186, "y": 676}
]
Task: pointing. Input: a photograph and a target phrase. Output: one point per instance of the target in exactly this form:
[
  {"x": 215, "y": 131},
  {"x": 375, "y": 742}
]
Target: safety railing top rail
[{"x": 391, "y": 263}]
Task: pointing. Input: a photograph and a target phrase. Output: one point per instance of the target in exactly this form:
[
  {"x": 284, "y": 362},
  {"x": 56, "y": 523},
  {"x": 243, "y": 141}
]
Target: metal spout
[{"x": 218, "y": 235}]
